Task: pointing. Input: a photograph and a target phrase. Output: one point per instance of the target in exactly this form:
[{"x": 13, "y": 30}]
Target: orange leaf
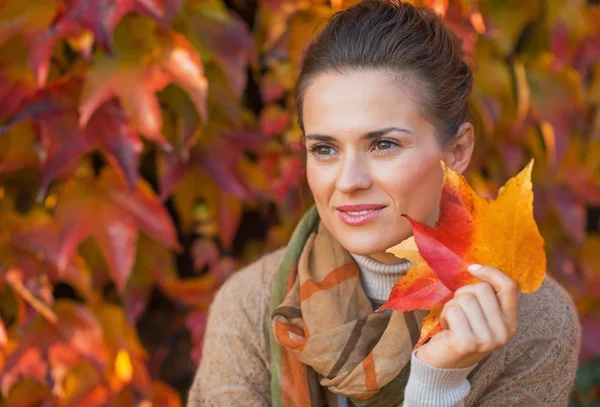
[
  {"x": 501, "y": 233},
  {"x": 431, "y": 324},
  {"x": 164, "y": 396},
  {"x": 28, "y": 393},
  {"x": 420, "y": 287}
]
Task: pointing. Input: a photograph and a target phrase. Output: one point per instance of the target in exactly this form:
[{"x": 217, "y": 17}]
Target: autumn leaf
[
  {"x": 215, "y": 164},
  {"x": 54, "y": 112},
  {"x": 420, "y": 287},
  {"x": 431, "y": 324},
  {"x": 120, "y": 337},
  {"x": 156, "y": 260},
  {"x": 145, "y": 60},
  {"x": 501, "y": 233},
  {"x": 15, "y": 149},
  {"x": 222, "y": 38},
  {"x": 109, "y": 212},
  {"x": 28, "y": 393},
  {"x": 16, "y": 80},
  {"x": 29, "y": 19},
  {"x": 34, "y": 251},
  {"x": 76, "y": 19},
  {"x": 83, "y": 386},
  {"x": 30, "y": 263},
  {"x": 77, "y": 333},
  {"x": 164, "y": 395}
]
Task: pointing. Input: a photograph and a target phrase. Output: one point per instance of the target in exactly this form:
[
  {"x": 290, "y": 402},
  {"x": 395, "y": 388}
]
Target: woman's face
[{"x": 371, "y": 157}]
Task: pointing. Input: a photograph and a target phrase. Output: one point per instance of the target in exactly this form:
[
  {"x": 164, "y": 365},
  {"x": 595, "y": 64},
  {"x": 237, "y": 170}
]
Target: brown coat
[{"x": 536, "y": 367}]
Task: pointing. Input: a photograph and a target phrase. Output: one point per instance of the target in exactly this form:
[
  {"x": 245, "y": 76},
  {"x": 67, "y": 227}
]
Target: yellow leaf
[{"x": 123, "y": 368}]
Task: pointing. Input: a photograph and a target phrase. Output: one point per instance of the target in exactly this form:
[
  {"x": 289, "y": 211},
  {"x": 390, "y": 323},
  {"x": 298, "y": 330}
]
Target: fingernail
[{"x": 474, "y": 267}]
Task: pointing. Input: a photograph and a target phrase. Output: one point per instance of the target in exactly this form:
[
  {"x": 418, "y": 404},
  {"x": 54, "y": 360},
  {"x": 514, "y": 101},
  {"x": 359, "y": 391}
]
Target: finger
[
  {"x": 490, "y": 306},
  {"x": 505, "y": 287},
  {"x": 458, "y": 324},
  {"x": 477, "y": 321},
  {"x": 443, "y": 320}
]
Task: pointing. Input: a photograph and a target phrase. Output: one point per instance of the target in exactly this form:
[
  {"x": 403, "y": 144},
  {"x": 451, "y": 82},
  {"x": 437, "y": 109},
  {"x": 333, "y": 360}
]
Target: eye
[
  {"x": 321, "y": 150},
  {"x": 383, "y": 145}
]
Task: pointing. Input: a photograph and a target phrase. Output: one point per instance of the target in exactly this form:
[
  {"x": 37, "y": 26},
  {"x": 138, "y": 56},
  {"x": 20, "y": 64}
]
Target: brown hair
[{"x": 410, "y": 42}]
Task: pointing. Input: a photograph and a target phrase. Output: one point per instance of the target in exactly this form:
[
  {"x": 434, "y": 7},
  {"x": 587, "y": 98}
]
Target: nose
[{"x": 354, "y": 174}]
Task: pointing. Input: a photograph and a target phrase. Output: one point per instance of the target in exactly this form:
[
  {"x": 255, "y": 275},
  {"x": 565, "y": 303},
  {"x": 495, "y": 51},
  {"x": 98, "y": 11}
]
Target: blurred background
[{"x": 149, "y": 149}]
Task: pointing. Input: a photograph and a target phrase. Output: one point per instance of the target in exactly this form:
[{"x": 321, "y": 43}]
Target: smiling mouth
[{"x": 356, "y": 215}]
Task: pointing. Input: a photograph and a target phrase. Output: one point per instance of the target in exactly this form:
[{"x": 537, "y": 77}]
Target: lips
[{"x": 356, "y": 215}]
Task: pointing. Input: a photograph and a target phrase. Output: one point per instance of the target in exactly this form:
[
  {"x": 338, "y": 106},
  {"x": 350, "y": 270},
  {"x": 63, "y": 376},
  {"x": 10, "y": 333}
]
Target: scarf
[{"x": 326, "y": 338}]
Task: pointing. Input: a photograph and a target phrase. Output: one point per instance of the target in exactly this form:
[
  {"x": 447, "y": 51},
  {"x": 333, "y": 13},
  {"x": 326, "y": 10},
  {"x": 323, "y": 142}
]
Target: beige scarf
[{"x": 326, "y": 338}]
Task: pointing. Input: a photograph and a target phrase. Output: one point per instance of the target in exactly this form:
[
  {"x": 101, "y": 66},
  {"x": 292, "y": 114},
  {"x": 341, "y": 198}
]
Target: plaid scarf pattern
[{"x": 326, "y": 338}]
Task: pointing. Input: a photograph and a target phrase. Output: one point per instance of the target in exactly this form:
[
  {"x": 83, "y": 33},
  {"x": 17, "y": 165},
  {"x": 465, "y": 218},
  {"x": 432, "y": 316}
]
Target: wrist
[{"x": 431, "y": 386}]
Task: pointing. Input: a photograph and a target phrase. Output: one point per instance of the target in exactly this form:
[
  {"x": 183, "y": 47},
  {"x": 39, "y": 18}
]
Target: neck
[{"x": 379, "y": 278}]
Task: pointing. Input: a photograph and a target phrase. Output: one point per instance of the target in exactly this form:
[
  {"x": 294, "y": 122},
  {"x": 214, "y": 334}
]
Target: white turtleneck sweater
[{"x": 427, "y": 386}]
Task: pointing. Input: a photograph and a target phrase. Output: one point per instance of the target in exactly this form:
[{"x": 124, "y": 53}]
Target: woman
[{"x": 382, "y": 98}]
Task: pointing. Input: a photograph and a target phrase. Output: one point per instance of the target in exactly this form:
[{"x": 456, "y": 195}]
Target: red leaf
[
  {"x": 220, "y": 158},
  {"x": 99, "y": 16},
  {"x": 54, "y": 110},
  {"x": 420, "y": 287},
  {"x": 501, "y": 233},
  {"x": 35, "y": 244},
  {"x": 135, "y": 79},
  {"x": 112, "y": 214},
  {"x": 77, "y": 329},
  {"x": 227, "y": 40}
]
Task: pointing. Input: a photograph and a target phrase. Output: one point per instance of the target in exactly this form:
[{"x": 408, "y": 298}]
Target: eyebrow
[{"x": 368, "y": 135}]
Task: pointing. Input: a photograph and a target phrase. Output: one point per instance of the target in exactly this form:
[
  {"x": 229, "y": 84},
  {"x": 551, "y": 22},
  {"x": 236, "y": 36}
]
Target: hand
[{"x": 479, "y": 319}]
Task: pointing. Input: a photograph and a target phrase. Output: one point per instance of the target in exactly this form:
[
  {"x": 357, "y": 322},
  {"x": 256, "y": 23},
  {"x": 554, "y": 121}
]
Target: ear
[{"x": 457, "y": 155}]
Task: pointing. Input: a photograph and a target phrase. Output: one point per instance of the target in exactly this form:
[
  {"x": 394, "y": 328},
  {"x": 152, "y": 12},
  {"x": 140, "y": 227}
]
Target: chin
[{"x": 364, "y": 245}]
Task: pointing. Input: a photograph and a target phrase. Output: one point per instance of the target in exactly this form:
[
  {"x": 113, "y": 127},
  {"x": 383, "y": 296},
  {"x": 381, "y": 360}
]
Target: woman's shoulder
[
  {"x": 547, "y": 318},
  {"x": 550, "y": 306}
]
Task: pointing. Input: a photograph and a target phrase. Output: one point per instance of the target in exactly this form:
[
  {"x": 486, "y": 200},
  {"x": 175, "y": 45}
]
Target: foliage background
[{"x": 148, "y": 149}]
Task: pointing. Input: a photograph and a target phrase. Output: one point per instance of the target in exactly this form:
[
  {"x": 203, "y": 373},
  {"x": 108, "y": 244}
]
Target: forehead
[{"x": 359, "y": 101}]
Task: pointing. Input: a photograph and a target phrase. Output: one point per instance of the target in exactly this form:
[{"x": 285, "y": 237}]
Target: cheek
[
  {"x": 319, "y": 182},
  {"x": 415, "y": 190}
]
